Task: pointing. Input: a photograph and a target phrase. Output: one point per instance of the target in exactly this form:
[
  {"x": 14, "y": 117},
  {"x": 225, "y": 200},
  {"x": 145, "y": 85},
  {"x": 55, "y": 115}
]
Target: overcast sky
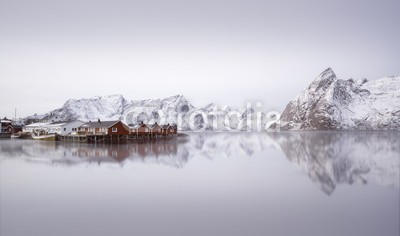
[{"x": 227, "y": 52}]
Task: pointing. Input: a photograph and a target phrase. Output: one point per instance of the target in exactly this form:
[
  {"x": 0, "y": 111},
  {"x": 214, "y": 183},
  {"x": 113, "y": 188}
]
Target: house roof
[
  {"x": 62, "y": 123},
  {"x": 56, "y": 124},
  {"x": 101, "y": 124},
  {"x": 59, "y": 122},
  {"x": 135, "y": 126},
  {"x": 39, "y": 124},
  {"x": 151, "y": 126}
]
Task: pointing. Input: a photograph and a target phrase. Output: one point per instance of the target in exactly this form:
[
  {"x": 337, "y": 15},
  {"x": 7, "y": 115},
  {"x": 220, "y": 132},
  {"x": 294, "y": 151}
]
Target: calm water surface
[{"x": 297, "y": 183}]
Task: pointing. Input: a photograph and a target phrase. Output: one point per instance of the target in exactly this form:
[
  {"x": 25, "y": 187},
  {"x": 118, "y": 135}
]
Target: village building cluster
[
  {"x": 7, "y": 126},
  {"x": 80, "y": 131},
  {"x": 116, "y": 127},
  {"x": 56, "y": 127}
]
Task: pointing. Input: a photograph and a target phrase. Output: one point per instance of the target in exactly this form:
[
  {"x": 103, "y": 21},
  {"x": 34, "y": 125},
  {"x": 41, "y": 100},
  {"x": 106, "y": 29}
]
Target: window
[
  {"x": 65, "y": 129},
  {"x": 146, "y": 130},
  {"x": 114, "y": 129},
  {"x": 171, "y": 130}
]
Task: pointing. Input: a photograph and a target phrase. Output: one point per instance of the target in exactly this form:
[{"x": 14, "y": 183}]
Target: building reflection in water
[{"x": 328, "y": 158}]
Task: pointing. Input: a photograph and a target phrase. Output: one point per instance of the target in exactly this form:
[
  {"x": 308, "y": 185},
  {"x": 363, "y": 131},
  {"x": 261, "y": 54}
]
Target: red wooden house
[
  {"x": 168, "y": 129},
  {"x": 140, "y": 129},
  {"x": 155, "y": 129},
  {"x": 103, "y": 128}
]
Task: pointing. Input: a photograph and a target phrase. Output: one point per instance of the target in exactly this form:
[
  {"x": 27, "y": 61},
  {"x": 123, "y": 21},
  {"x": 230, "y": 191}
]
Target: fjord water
[{"x": 288, "y": 183}]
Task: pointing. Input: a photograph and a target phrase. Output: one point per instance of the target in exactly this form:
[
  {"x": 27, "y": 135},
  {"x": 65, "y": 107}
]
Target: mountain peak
[
  {"x": 323, "y": 80},
  {"x": 327, "y": 74},
  {"x": 175, "y": 97},
  {"x": 111, "y": 96},
  {"x": 335, "y": 104}
]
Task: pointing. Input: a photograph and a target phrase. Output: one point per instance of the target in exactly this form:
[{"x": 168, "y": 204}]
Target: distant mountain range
[
  {"x": 174, "y": 110},
  {"x": 334, "y": 104},
  {"x": 327, "y": 104}
]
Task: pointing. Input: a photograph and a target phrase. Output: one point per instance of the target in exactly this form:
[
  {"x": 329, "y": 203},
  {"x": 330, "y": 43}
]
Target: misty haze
[{"x": 199, "y": 117}]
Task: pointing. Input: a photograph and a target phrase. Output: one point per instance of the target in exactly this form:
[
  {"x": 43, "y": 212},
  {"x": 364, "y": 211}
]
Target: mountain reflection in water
[
  {"x": 332, "y": 158},
  {"x": 328, "y": 158}
]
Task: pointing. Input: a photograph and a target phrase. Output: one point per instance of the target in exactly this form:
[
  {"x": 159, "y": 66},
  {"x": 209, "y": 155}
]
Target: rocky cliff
[{"x": 330, "y": 103}]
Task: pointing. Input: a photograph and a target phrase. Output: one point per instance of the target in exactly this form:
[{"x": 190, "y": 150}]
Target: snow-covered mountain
[
  {"x": 174, "y": 110},
  {"x": 334, "y": 104},
  {"x": 105, "y": 108}
]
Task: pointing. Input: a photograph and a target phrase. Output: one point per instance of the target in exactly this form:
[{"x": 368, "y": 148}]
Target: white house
[
  {"x": 34, "y": 127},
  {"x": 57, "y": 127}
]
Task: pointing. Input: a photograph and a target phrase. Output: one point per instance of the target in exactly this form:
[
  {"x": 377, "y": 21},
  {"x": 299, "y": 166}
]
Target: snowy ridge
[
  {"x": 106, "y": 108},
  {"x": 334, "y": 104},
  {"x": 174, "y": 110}
]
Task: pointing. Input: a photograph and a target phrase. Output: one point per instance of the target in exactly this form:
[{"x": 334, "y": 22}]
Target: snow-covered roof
[
  {"x": 152, "y": 126},
  {"x": 51, "y": 124},
  {"x": 100, "y": 124},
  {"x": 135, "y": 126},
  {"x": 38, "y": 124}
]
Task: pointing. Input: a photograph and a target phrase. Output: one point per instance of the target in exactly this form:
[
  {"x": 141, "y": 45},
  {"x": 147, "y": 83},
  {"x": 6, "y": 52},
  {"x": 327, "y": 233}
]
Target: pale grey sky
[{"x": 227, "y": 51}]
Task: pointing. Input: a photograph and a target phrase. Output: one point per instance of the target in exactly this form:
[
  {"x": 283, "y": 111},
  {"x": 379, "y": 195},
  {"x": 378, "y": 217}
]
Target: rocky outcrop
[{"x": 334, "y": 104}]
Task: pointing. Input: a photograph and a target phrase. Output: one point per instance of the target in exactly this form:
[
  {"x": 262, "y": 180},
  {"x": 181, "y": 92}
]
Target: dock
[
  {"x": 5, "y": 135},
  {"x": 104, "y": 138}
]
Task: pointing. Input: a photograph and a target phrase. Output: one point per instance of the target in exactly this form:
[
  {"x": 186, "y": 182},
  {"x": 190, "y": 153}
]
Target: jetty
[
  {"x": 102, "y": 131},
  {"x": 105, "y": 138}
]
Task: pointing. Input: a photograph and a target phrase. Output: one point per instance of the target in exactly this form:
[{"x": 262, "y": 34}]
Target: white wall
[
  {"x": 62, "y": 129},
  {"x": 67, "y": 128}
]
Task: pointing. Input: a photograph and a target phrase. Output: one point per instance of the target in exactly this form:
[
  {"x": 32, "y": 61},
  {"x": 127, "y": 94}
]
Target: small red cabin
[
  {"x": 140, "y": 129},
  {"x": 155, "y": 129},
  {"x": 168, "y": 129}
]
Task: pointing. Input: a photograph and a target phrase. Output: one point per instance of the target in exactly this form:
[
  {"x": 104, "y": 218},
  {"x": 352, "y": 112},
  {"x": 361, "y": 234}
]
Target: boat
[
  {"x": 16, "y": 135},
  {"x": 44, "y": 137}
]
